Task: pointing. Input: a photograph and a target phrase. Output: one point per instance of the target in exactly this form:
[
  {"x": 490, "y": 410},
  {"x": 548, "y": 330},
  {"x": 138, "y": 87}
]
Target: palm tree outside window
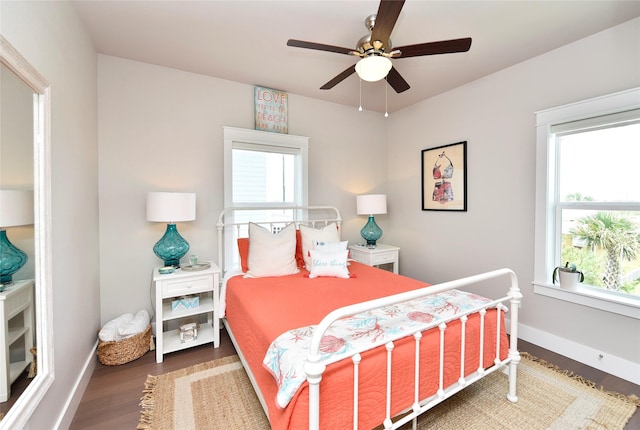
[{"x": 598, "y": 200}]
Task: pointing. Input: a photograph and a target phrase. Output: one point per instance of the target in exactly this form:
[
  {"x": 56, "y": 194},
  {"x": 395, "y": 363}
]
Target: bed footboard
[{"x": 314, "y": 367}]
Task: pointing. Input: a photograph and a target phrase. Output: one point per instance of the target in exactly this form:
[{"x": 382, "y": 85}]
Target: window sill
[{"x": 592, "y": 297}]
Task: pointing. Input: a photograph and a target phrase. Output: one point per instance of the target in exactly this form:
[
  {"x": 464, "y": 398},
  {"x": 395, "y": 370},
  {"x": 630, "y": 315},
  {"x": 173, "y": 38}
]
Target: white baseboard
[
  {"x": 595, "y": 358},
  {"x": 72, "y": 403}
]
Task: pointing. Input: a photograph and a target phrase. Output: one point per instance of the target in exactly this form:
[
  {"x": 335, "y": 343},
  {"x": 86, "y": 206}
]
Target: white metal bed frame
[{"x": 314, "y": 367}]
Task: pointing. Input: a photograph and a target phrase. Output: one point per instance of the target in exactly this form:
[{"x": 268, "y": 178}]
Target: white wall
[
  {"x": 160, "y": 129},
  {"x": 496, "y": 116},
  {"x": 50, "y": 36},
  {"x": 16, "y": 134}
]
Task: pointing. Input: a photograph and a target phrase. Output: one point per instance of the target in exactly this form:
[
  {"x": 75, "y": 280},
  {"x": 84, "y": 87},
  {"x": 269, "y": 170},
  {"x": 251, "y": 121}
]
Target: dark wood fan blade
[
  {"x": 396, "y": 81},
  {"x": 318, "y": 46},
  {"x": 386, "y": 18},
  {"x": 341, "y": 77},
  {"x": 434, "y": 48}
]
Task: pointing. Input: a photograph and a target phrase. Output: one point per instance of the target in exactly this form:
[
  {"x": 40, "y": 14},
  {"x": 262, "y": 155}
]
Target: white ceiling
[{"x": 245, "y": 41}]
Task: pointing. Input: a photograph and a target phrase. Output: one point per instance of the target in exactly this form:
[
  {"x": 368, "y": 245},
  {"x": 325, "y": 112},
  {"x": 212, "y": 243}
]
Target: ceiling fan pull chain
[
  {"x": 360, "y": 107},
  {"x": 386, "y": 88}
]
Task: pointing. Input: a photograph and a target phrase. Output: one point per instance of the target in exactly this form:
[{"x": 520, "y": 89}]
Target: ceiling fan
[{"x": 375, "y": 49}]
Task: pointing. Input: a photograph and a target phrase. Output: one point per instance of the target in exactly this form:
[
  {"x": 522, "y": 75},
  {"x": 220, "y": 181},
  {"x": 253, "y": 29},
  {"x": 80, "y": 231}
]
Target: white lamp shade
[
  {"x": 373, "y": 68},
  {"x": 16, "y": 208},
  {"x": 171, "y": 207},
  {"x": 371, "y": 204}
]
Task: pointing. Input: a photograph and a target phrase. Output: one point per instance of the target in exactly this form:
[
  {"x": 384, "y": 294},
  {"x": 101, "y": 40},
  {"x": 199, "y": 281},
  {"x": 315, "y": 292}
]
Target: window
[
  {"x": 264, "y": 169},
  {"x": 260, "y": 175},
  {"x": 588, "y": 200}
]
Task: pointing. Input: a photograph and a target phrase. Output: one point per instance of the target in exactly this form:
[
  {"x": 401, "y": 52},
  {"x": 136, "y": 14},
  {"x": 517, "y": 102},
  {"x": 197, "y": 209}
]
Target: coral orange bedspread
[{"x": 258, "y": 310}]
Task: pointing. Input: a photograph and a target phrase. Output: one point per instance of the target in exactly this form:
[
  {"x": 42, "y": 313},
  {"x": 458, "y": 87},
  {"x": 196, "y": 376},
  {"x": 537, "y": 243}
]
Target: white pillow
[
  {"x": 271, "y": 254},
  {"x": 330, "y": 246},
  {"x": 329, "y": 264},
  {"x": 310, "y": 235}
]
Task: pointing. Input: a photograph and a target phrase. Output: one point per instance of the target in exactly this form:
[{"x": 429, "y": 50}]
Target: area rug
[{"x": 218, "y": 394}]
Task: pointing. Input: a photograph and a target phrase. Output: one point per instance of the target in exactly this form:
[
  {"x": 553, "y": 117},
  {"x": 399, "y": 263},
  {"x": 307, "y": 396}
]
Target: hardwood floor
[
  {"x": 112, "y": 397},
  {"x": 18, "y": 386}
]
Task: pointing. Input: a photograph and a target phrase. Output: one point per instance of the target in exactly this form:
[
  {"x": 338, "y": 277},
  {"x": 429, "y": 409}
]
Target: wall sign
[{"x": 271, "y": 110}]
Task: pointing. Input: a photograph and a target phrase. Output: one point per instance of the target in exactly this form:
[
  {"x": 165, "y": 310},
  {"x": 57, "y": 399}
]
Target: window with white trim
[
  {"x": 588, "y": 200},
  {"x": 264, "y": 169},
  {"x": 263, "y": 174}
]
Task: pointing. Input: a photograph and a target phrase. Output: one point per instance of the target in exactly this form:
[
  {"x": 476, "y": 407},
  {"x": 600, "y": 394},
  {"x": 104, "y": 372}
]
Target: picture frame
[
  {"x": 271, "y": 110},
  {"x": 444, "y": 177}
]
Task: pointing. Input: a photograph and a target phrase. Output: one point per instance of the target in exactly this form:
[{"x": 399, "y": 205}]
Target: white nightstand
[
  {"x": 203, "y": 283},
  {"x": 381, "y": 254},
  {"x": 16, "y": 335}
]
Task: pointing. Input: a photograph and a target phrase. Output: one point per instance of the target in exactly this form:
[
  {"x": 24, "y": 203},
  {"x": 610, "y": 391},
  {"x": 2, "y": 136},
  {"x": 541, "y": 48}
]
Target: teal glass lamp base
[
  {"x": 371, "y": 232},
  {"x": 11, "y": 259},
  {"x": 171, "y": 247}
]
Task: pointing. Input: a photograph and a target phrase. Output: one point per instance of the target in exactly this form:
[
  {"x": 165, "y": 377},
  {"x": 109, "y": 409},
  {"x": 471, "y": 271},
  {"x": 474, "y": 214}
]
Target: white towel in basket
[
  {"x": 137, "y": 325},
  {"x": 110, "y": 330}
]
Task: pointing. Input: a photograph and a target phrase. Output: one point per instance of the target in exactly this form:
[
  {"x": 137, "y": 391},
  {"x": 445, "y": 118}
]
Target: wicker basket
[{"x": 113, "y": 353}]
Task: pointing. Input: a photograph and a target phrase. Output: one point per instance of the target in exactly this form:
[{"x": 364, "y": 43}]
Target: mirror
[{"x": 24, "y": 167}]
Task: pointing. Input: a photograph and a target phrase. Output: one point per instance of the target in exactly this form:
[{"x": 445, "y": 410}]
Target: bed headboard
[{"x": 233, "y": 223}]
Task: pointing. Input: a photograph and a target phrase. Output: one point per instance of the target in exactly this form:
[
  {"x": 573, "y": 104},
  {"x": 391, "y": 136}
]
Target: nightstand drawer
[
  {"x": 383, "y": 258},
  {"x": 358, "y": 255},
  {"x": 379, "y": 255},
  {"x": 192, "y": 285},
  {"x": 17, "y": 302}
]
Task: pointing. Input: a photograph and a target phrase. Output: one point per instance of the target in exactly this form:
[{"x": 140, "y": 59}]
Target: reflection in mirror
[
  {"x": 16, "y": 177},
  {"x": 25, "y": 331},
  {"x": 16, "y": 233}
]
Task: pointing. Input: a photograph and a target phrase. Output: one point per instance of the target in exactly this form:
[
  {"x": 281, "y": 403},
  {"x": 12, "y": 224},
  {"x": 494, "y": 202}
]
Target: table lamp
[
  {"x": 171, "y": 208},
  {"x": 16, "y": 209},
  {"x": 371, "y": 204}
]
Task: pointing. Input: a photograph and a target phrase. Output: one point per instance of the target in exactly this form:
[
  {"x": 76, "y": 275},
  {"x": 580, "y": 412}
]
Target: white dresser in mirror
[{"x": 16, "y": 333}]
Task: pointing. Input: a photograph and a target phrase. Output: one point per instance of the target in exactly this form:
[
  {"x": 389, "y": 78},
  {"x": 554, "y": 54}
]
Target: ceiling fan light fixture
[{"x": 373, "y": 68}]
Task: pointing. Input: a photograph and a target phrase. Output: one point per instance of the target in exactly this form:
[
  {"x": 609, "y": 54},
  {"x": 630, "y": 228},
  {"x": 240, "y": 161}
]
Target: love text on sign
[{"x": 271, "y": 110}]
